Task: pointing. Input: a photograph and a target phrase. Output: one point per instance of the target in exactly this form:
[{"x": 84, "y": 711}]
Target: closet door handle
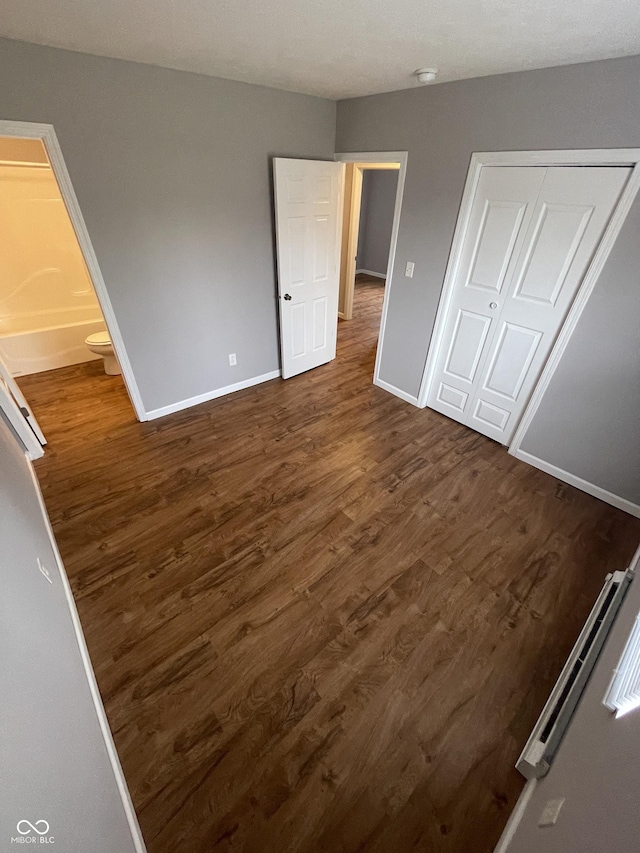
[
  {"x": 287, "y": 297},
  {"x": 491, "y": 304}
]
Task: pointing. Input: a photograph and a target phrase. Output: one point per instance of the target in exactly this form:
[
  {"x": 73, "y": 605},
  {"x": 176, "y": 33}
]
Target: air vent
[{"x": 538, "y": 753}]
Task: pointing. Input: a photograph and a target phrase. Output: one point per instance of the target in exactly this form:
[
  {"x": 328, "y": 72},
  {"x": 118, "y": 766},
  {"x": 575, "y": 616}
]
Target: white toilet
[{"x": 100, "y": 344}]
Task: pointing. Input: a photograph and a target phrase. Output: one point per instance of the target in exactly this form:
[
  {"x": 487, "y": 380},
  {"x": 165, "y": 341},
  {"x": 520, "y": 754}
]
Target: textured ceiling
[{"x": 333, "y": 48}]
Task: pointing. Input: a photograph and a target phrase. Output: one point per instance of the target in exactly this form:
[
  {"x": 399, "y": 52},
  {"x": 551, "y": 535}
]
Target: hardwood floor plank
[{"x": 322, "y": 620}]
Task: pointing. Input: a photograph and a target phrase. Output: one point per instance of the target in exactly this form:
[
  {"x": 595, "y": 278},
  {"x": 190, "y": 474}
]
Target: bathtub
[
  {"x": 57, "y": 342},
  {"x": 47, "y": 302}
]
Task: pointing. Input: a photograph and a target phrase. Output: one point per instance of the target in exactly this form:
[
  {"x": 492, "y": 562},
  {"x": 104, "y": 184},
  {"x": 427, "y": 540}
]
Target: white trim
[
  {"x": 579, "y": 304},
  {"x": 351, "y": 215},
  {"x": 121, "y": 783},
  {"x": 46, "y": 132},
  {"x": 211, "y": 395},
  {"x": 18, "y": 423},
  {"x": 583, "y": 157},
  {"x": 385, "y": 157},
  {"x": 16, "y": 392},
  {"x": 516, "y": 816},
  {"x": 568, "y": 157},
  {"x": 398, "y": 392},
  {"x": 455, "y": 256},
  {"x": 578, "y": 482},
  {"x": 371, "y": 272}
]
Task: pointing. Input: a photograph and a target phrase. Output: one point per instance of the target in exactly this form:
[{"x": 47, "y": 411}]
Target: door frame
[
  {"x": 10, "y": 412},
  {"x": 352, "y": 209},
  {"x": 384, "y": 157},
  {"x": 350, "y": 222},
  {"x": 47, "y": 135},
  {"x": 580, "y": 157}
]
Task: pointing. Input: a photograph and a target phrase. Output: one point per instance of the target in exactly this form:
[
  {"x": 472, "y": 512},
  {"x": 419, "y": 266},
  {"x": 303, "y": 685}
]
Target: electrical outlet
[
  {"x": 408, "y": 270},
  {"x": 550, "y": 812},
  {"x": 232, "y": 359}
]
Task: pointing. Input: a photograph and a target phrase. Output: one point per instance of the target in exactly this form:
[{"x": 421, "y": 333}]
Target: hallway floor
[{"x": 320, "y": 619}]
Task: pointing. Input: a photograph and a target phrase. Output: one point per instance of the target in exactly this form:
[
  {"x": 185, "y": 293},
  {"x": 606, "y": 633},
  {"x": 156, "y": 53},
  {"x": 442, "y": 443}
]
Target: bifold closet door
[{"x": 531, "y": 237}]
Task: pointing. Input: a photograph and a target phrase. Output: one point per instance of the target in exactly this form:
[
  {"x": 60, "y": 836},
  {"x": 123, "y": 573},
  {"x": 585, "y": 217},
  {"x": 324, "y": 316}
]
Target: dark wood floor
[{"x": 321, "y": 619}]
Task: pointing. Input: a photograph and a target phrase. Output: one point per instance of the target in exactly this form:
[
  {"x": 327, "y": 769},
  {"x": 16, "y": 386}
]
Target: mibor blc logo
[{"x": 33, "y": 833}]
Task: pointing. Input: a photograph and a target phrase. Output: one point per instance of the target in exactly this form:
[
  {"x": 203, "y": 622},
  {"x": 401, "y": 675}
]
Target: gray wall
[
  {"x": 595, "y": 769},
  {"x": 589, "y": 419},
  {"x": 376, "y": 218},
  {"x": 581, "y": 106},
  {"x": 172, "y": 172},
  {"x": 55, "y": 764}
]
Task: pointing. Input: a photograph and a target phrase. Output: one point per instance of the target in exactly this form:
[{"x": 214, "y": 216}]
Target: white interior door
[
  {"x": 17, "y": 413},
  {"x": 531, "y": 237},
  {"x": 308, "y": 201}
]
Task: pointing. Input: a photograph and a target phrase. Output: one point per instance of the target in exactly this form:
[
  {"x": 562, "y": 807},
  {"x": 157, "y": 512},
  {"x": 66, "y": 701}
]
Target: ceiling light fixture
[{"x": 426, "y": 75}]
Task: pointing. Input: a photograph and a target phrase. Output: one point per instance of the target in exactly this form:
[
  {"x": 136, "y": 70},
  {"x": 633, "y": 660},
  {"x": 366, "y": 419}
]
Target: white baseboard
[
  {"x": 397, "y": 392},
  {"x": 371, "y": 272},
  {"x": 579, "y": 483},
  {"x": 210, "y": 395},
  {"x": 516, "y": 816}
]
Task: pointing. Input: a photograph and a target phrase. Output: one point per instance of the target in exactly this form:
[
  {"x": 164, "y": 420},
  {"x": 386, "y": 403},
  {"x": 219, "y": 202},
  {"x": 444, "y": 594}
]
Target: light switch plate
[
  {"x": 408, "y": 270},
  {"x": 550, "y": 812}
]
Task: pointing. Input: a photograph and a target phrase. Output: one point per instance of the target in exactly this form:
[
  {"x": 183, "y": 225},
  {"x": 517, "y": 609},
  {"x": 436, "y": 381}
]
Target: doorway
[
  {"x": 54, "y": 310},
  {"x": 373, "y": 191},
  {"x": 370, "y": 191},
  {"x": 309, "y": 218}
]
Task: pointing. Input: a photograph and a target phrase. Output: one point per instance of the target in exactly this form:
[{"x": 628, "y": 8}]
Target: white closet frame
[{"x": 583, "y": 157}]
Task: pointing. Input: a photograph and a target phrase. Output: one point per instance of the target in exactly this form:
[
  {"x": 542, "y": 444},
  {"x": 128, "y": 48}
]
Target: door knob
[
  {"x": 287, "y": 297},
  {"x": 491, "y": 304}
]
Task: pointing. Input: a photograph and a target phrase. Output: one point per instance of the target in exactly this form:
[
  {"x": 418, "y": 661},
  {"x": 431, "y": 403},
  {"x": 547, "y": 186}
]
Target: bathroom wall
[{"x": 44, "y": 284}]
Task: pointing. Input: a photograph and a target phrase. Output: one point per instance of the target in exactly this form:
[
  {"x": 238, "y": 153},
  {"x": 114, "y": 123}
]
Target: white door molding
[
  {"x": 46, "y": 133},
  {"x": 15, "y": 392},
  {"x": 384, "y": 157},
  {"x": 10, "y": 412},
  {"x": 584, "y": 157}
]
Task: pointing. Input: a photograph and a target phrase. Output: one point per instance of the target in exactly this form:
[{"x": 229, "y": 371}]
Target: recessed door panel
[
  {"x": 559, "y": 232},
  {"x": 501, "y": 221},
  {"x": 466, "y": 345},
  {"x": 493, "y": 416},
  {"x": 512, "y": 356},
  {"x": 296, "y": 227},
  {"x": 321, "y": 248},
  {"x": 452, "y": 397},
  {"x": 295, "y": 189},
  {"x": 319, "y": 322},
  {"x": 323, "y": 189},
  {"x": 298, "y": 337}
]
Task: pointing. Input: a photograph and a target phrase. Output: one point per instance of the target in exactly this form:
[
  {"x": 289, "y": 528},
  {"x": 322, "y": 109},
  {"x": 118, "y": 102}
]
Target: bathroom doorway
[{"x": 55, "y": 315}]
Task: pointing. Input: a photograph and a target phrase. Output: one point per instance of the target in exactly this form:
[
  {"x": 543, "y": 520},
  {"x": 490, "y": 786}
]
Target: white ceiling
[{"x": 333, "y": 48}]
